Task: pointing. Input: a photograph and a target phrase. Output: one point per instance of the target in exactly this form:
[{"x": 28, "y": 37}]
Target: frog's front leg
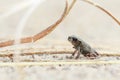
[
  {"x": 78, "y": 54},
  {"x": 74, "y": 52}
]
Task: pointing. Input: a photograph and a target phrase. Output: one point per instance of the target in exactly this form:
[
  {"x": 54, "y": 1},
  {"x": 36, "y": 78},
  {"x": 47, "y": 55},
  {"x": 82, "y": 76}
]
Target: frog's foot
[
  {"x": 69, "y": 57},
  {"x": 76, "y": 57}
]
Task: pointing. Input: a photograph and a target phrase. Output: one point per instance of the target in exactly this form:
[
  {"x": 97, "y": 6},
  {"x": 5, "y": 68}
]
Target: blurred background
[
  {"x": 21, "y": 18},
  {"x": 29, "y": 17}
]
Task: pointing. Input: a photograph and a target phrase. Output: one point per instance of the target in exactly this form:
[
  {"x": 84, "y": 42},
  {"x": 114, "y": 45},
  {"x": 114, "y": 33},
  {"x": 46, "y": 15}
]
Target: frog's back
[{"x": 86, "y": 47}]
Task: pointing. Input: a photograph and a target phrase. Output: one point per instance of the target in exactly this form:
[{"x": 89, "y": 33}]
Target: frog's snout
[{"x": 69, "y": 38}]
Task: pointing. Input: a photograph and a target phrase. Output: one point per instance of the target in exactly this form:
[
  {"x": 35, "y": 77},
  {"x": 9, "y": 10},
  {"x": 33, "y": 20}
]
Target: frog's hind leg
[
  {"x": 96, "y": 54},
  {"x": 91, "y": 55}
]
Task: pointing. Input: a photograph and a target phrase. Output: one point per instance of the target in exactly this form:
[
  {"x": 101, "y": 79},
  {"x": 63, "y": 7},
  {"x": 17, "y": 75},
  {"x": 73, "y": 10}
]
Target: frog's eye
[{"x": 74, "y": 39}]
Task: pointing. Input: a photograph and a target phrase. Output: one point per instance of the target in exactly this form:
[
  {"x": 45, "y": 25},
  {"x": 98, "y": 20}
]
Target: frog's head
[{"x": 74, "y": 40}]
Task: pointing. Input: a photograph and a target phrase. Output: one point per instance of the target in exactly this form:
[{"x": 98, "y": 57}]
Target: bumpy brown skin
[{"x": 82, "y": 48}]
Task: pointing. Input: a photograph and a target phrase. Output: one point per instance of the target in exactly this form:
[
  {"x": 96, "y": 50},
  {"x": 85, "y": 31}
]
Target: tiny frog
[{"x": 82, "y": 48}]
